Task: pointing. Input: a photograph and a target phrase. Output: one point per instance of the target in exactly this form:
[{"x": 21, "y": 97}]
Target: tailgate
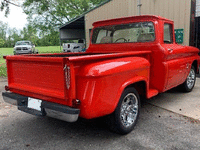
[{"x": 40, "y": 77}]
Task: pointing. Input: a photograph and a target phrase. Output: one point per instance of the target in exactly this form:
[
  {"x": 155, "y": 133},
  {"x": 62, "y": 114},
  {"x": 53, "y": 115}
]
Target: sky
[{"x": 16, "y": 18}]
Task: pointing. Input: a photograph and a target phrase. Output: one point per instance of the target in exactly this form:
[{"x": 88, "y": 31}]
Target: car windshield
[
  {"x": 23, "y": 43},
  {"x": 133, "y": 32}
]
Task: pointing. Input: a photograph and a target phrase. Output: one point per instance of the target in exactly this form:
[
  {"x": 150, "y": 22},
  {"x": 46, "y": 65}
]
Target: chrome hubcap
[
  {"x": 191, "y": 79},
  {"x": 129, "y": 109}
]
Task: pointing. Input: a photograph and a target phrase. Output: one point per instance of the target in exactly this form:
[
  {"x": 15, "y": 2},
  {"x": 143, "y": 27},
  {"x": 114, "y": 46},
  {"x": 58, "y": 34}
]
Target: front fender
[{"x": 100, "y": 85}]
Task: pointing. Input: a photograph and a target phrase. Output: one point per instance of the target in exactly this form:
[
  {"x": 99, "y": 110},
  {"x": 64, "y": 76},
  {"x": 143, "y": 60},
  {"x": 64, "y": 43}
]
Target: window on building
[
  {"x": 168, "y": 38},
  {"x": 90, "y": 31}
]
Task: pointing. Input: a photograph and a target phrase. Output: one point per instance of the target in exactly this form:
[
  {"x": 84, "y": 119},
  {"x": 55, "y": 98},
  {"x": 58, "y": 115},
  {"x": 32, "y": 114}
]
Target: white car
[
  {"x": 24, "y": 47},
  {"x": 74, "y": 47}
]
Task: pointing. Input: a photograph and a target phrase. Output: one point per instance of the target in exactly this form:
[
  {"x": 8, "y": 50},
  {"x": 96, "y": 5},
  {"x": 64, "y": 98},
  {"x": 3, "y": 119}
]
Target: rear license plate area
[
  {"x": 31, "y": 106},
  {"x": 34, "y": 104}
]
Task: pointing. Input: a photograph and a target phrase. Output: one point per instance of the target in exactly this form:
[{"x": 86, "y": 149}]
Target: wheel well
[
  {"x": 140, "y": 87},
  {"x": 195, "y": 66}
]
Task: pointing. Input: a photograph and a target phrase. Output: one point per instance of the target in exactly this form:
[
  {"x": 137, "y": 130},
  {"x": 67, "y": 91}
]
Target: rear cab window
[{"x": 125, "y": 33}]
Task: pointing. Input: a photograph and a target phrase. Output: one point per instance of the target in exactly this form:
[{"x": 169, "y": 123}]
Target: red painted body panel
[
  {"x": 98, "y": 77},
  {"x": 103, "y": 82}
]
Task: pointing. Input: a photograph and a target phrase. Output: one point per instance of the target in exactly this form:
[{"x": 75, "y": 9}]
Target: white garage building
[{"x": 182, "y": 12}]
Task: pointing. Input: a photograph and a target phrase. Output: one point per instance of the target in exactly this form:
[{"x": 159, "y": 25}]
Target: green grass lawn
[
  {"x": 9, "y": 51},
  {"x": 49, "y": 49}
]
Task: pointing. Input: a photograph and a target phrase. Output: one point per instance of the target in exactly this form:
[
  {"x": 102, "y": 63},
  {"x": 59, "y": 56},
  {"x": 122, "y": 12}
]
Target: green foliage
[
  {"x": 51, "y": 14},
  {"x": 9, "y": 36},
  {"x": 3, "y": 30},
  {"x": 44, "y": 19},
  {"x": 5, "y": 6},
  {"x": 2, "y": 42},
  {"x": 3, "y": 70},
  {"x": 4, "y": 51},
  {"x": 51, "y": 39}
]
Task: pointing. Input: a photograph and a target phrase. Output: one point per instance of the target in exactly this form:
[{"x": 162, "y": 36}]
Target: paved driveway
[
  {"x": 157, "y": 128},
  {"x": 186, "y": 104}
]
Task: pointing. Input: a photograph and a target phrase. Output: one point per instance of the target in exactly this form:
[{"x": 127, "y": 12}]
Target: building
[{"x": 182, "y": 12}]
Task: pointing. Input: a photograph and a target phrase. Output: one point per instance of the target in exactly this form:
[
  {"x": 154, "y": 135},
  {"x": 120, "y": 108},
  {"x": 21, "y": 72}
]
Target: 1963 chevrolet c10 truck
[{"x": 128, "y": 58}]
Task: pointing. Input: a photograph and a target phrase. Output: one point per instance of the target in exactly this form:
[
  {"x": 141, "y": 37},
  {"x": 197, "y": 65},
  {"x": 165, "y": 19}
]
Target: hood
[
  {"x": 29, "y": 46},
  {"x": 193, "y": 49}
]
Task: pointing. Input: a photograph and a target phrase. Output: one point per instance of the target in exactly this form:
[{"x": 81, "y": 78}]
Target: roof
[
  {"x": 129, "y": 19},
  {"x": 79, "y": 22}
]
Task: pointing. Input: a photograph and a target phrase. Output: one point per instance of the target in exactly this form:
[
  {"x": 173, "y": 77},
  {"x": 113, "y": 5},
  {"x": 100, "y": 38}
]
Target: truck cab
[{"x": 170, "y": 62}]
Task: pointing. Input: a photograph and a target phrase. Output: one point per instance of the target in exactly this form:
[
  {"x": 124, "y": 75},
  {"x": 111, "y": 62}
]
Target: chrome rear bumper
[{"x": 53, "y": 110}]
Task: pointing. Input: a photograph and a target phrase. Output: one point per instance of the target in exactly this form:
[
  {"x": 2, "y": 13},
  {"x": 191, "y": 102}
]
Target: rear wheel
[
  {"x": 189, "y": 83},
  {"x": 126, "y": 114}
]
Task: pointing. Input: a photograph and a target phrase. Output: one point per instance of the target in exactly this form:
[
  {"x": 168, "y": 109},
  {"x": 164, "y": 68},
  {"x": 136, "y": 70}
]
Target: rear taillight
[
  {"x": 76, "y": 102},
  {"x": 67, "y": 76},
  {"x": 6, "y": 88}
]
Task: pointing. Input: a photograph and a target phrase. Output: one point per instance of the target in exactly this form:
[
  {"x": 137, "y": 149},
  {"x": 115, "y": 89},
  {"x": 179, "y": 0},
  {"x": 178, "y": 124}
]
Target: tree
[
  {"x": 44, "y": 19},
  {"x": 2, "y": 42},
  {"x": 12, "y": 37},
  {"x": 51, "y": 14},
  {"x": 3, "y": 30},
  {"x": 5, "y": 6},
  {"x": 3, "y": 33}
]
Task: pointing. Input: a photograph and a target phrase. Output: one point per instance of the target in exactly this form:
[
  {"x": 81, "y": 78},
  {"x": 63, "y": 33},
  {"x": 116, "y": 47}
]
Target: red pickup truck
[{"x": 128, "y": 58}]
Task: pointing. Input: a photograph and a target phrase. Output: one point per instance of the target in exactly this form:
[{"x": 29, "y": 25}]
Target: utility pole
[{"x": 139, "y": 5}]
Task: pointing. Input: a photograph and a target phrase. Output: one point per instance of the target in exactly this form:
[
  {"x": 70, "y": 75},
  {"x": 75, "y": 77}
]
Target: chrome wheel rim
[
  {"x": 191, "y": 79},
  {"x": 129, "y": 109}
]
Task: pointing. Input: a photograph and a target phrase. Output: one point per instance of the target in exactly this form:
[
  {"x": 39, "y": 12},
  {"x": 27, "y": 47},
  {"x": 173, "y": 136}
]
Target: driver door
[{"x": 177, "y": 66}]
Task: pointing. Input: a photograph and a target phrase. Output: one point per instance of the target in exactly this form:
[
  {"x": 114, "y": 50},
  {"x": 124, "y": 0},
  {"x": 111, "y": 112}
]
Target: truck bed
[{"x": 47, "y": 76}]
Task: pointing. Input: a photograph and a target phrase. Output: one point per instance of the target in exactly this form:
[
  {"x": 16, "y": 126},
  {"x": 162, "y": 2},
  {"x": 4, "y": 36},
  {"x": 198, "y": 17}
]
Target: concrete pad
[
  {"x": 186, "y": 104},
  {"x": 3, "y": 79}
]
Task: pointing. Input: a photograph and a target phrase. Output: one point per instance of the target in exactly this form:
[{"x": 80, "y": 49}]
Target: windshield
[
  {"x": 133, "y": 32},
  {"x": 23, "y": 43}
]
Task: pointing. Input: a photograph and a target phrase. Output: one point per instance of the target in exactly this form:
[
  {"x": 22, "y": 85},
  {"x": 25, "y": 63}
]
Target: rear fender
[
  {"x": 101, "y": 84},
  {"x": 114, "y": 66},
  {"x": 131, "y": 83}
]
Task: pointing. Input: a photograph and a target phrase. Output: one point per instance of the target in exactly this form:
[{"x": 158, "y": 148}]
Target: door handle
[{"x": 170, "y": 49}]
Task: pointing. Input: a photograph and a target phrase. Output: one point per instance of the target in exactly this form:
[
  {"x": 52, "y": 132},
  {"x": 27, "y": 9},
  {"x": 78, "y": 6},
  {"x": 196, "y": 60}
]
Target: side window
[{"x": 168, "y": 38}]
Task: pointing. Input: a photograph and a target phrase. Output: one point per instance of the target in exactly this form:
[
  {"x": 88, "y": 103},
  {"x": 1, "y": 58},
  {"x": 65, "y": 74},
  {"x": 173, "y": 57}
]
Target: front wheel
[
  {"x": 189, "y": 83},
  {"x": 126, "y": 114}
]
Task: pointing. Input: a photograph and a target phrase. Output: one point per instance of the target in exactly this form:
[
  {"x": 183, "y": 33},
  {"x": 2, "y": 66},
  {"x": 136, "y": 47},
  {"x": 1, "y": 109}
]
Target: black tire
[
  {"x": 123, "y": 120},
  {"x": 189, "y": 83}
]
